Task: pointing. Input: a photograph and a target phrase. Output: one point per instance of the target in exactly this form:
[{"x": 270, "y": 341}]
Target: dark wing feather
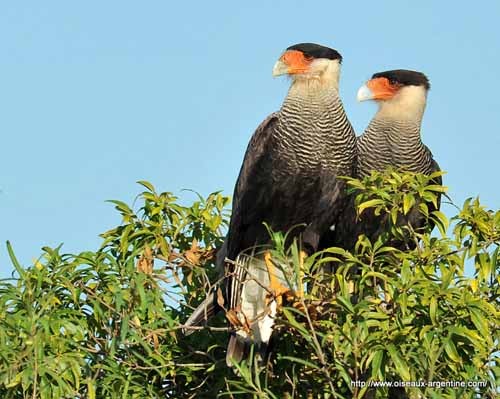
[
  {"x": 248, "y": 202},
  {"x": 331, "y": 201},
  {"x": 251, "y": 200}
]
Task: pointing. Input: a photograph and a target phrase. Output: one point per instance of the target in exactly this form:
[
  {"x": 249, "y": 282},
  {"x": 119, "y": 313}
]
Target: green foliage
[
  {"x": 395, "y": 198},
  {"x": 107, "y": 324}
]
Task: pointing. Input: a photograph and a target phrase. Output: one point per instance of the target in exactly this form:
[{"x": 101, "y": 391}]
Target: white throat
[
  {"x": 323, "y": 73},
  {"x": 408, "y": 105}
]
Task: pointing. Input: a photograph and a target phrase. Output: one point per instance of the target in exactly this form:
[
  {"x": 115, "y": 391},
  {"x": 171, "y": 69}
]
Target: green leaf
[
  {"x": 377, "y": 362},
  {"x": 90, "y": 388},
  {"x": 437, "y": 188},
  {"x": 394, "y": 216},
  {"x": 433, "y": 309},
  {"x": 424, "y": 209},
  {"x": 301, "y": 361},
  {"x": 451, "y": 351},
  {"x": 122, "y": 207},
  {"x": 483, "y": 266},
  {"x": 399, "y": 363},
  {"x": 369, "y": 204},
  {"x": 146, "y": 184},
  {"x": 480, "y": 322},
  {"x": 408, "y": 202},
  {"x": 15, "y": 262},
  {"x": 376, "y": 315},
  {"x": 472, "y": 336},
  {"x": 424, "y": 331},
  {"x": 403, "y": 300},
  {"x": 346, "y": 303},
  {"x": 298, "y": 326},
  {"x": 15, "y": 381},
  {"x": 441, "y": 221},
  {"x": 406, "y": 272},
  {"x": 378, "y": 275}
]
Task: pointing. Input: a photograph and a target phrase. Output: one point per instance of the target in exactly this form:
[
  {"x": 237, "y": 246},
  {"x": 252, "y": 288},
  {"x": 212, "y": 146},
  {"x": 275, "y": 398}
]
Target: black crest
[
  {"x": 405, "y": 77},
  {"x": 313, "y": 50}
]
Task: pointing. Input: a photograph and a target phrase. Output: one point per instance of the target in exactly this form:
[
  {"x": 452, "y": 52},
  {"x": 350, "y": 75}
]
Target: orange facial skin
[
  {"x": 382, "y": 88},
  {"x": 296, "y": 61}
]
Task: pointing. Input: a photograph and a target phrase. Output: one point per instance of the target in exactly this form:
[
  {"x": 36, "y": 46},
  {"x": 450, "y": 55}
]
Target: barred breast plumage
[
  {"x": 313, "y": 133},
  {"x": 397, "y": 144}
]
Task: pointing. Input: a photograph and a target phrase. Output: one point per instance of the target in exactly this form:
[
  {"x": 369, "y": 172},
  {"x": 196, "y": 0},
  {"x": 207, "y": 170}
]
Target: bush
[{"x": 107, "y": 324}]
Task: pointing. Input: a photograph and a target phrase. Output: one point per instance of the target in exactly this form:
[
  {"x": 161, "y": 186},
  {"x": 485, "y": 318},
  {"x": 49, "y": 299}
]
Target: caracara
[
  {"x": 288, "y": 181},
  {"x": 392, "y": 139}
]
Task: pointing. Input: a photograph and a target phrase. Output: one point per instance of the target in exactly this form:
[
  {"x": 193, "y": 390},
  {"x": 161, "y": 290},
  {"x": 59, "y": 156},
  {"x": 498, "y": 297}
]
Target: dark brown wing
[
  {"x": 251, "y": 198},
  {"x": 332, "y": 199},
  {"x": 249, "y": 202}
]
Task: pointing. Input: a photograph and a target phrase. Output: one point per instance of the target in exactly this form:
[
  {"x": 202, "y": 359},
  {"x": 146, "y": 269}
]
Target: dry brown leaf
[
  {"x": 193, "y": 255},
  {"x": 156, "y": 343},
  {"x": 232, "y": 317},
  {"x": 220, "y": 298},
  {"x": 145, "y": 262}
]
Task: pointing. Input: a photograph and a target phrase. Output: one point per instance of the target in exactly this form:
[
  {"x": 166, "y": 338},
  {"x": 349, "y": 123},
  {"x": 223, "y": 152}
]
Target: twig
[
  {"x": 317, "y": 345},
  {"x": 184, "y": 327}
]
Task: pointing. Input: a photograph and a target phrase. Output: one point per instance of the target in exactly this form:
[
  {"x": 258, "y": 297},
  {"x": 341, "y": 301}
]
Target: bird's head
[
  {"x": 398, "y": 93},
  {"x": 309, "y": 61}
]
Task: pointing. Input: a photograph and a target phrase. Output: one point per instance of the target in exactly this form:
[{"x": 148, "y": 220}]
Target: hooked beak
[
  {"x": 364, "y": 93},
  {"x": 280, "y": 68}
]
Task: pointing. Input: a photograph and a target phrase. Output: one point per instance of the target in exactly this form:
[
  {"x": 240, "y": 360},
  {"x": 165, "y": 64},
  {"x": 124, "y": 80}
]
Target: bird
[
  {"x": 391, "y": 140},
  {"x": 288, "y": 182}
]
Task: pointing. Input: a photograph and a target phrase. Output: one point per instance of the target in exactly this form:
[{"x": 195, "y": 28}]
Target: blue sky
[{"x": 97, "y": 95}]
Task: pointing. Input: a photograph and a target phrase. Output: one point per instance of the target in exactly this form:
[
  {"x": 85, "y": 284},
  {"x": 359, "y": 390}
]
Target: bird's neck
[
  {"x": 396, "y": 131},
  {"x": 314, "y": 86},
  {"x": 398, "y": 120},
  {"x": 389, "y": 141},
  {"x": 408, "y": 104},
  {"x": 315, "y": 112},
  {"x": 313, "y": 127},
  {"x": 310, "y": 99}
]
